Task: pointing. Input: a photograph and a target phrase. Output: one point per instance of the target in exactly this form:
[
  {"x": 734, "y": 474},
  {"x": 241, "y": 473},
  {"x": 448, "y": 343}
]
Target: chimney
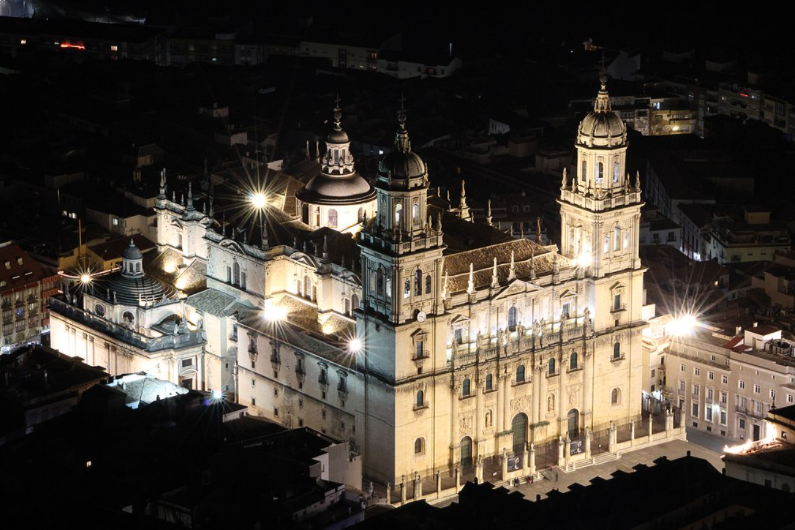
[{"x": 738, "y": 330}]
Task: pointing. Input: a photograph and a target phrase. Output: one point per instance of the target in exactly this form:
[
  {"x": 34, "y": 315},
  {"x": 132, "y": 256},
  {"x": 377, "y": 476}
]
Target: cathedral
[{"x": 382, "y": 314}]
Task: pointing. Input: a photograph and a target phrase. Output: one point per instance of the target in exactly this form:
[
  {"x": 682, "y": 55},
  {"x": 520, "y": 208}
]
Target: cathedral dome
[
  {"x": 131, "y": 285},
  {"x": 401, "y": 165},
  {"x": 602, "y": 127},
  {"x": 132, "y": 252},
  {"x": 338, "y": 183}
]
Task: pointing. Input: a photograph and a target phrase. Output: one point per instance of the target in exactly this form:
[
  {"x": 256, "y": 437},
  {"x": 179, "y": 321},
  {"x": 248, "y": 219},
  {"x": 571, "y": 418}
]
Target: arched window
[
  {"x": 617, "y": 238},
  {"x": 415, "y": 213},
  {"x": 615, "y": 396},
  {"x": 307, "y": 287},
  {"x": 573, "y": 361},
  {"x": 512, "y": 318},
  {"x": 398, "y": 212},
  {"x": 600, "y": 172},
  {"x": 407, "y": 288},
  {"x": 228, "y": 274},
  {"x": 420, "y": 398},
  {"x": 428, "y": 284},
  {"x": 419, "y": 446},
  {"x": 616, "y": 170},
  {"x": 583, "y": 171},
  {"x": 465, "y": 388},
  {"x": 520, "y": 373},
  {"x": 379, "y": 281},
  {"x": 243, "y": 280},
  {"x": 347, "y": 307},
  {"x": 606, "y": 247},
  {"x": 236, "y": 274},
  {"x": 551, "y": 367},
  {"x": 617, "y": 350},
  {"x": 489, "y": 382},
  {"x": 418, "y": 282},
  {"x": 297, "y": 286},
  {"x": 332, "y": 218}
]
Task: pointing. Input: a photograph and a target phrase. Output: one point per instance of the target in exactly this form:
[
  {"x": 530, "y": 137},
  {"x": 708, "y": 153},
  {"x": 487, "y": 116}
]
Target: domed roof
[
  {"x": 602, "y": 127},
  {"x": 131, "y": 291},
  {"x": 328, "y": 189},
  {"x": 402, "y": 165},
  {"x": 337, "y": 135},
  {"x": 132, "y": 252}
]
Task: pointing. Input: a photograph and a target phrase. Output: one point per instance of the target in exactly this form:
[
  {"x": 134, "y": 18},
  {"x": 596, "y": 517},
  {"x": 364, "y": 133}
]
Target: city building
[
  {"x": 769, "y": 462},
  {"x": 726, "y": 380},
  {"x": 427, "y": 339},
  {"x": 25, "y": 290}
]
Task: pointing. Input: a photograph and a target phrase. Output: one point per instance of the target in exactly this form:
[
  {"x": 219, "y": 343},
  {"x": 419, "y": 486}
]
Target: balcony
[{"x": 616, "y": 308}]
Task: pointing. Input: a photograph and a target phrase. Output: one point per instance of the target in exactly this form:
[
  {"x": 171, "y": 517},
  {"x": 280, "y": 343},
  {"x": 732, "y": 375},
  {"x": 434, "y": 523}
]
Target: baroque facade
[{"x": 426, "y": 339}]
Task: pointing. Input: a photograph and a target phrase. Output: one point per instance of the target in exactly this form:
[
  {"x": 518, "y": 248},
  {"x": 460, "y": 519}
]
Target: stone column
[
  {"x": 417, "y": 487},
  {"x": 536, "y": 406},
  {"x": 587, "y": 392},
  {"x": 524, "y": 459},
  {"x": 542, "y": 396},
  {"x": 632, "y": 430},
  {"x": 532, "y": 458},
  {"x": 478, "y": 414},
  {"x": 563, "y": 421},
  {"x": 453, "y": 423},
  {"x": 567, "y": 450},
  {"x": 507, "y": 401},
  {"x": 587, "y": 443},
  {"x": 500, "y": 399},
  {"x": 438, "y": 484},
  {"x": 479, "y": 470},
  {"x": 611, "y": 440},
  {"x": 403, "y": 489},
  {"x": 504, "y": 464},
  {"x": 388, "y": 493},
  {"x": 669, "y": 421},
  {"x": 651, "y": 424},
  {"x": 561, "y": 463},
  {"x": 457, "y": 478}
]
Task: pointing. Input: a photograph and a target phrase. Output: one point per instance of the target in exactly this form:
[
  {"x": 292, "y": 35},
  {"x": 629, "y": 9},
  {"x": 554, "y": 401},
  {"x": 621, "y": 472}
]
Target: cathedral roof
[
  {"x": 337, "y": 183},
  {"x": 456, "y": 266},
  {"x": 602, "y": 127},
  {"x": 131, "y": 290},
  {"x": 401, "y": 164}
]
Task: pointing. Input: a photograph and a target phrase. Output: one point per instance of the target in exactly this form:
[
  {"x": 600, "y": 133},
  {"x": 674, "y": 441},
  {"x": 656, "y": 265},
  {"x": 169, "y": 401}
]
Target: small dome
[
  {"x": 602, "y": 129},
  {"x": 132, "y": 252},
  {"x": 337, "y": 136},
  {"x": 327, "y": 189},
  {"x": 400, "y": 165}
]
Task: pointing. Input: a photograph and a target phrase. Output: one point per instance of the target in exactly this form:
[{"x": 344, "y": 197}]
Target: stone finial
[
  {"x": 495, "y": 281},
  {"x": 533, "y": 264},
  {"x": 488, "y": 213},
  {"x": 565, "y": 180},
  {"x": 637, "y": 180},
  {"x": 471, "y": 283},
  {"x": 512, "y": 270}
]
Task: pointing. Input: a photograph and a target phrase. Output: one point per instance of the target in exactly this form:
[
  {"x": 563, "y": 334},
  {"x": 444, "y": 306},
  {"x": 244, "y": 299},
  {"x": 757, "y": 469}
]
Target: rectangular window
[
  {"x": 276, "y": 392},
  {"x": 682, "y": 386},
  {"x": 772, "y": 394},
  {"x": 742, "y": 402},
  {"x": 681, "y": 367},
  {"x": 696, "y": 371},
  {"x": 790, "y": 398},
  {"x": 709, "y": 393},
  {"x": 275, "y": 412},
  {"x": 253, "y": 402},
  {"x": 724, "y": 379},
  {"x": 724, "y": 398},
  {"x": 420, "y": 349},
  {"x": 723, "y": 417},
  {"x": 695, "y": 410},
  {"x": 742, "y": 423},
  {"x": 741, "y": 383},
  {"x": 757, "y": 389},
  {"x": 708, "y": 413},
  {"x": 710, "y": 375},
  {"x": 695, "y": 389}
]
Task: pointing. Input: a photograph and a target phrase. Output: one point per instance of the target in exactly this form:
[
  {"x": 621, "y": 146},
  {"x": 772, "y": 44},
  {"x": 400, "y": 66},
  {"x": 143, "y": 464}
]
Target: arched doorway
[
  {"x": 574, "y": 423},
  {"x": 519, "y": 428},
  {"x": 466, "y": 451}
]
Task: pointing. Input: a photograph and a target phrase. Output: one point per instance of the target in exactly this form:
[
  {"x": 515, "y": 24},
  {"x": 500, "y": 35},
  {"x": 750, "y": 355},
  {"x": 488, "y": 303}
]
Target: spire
[
  {"x": 603, "y": 98},
  {"x": 325, "y": 246},
  {"x": 263, "y": 233},
  {"x": 512, "y": 270},
  {"x": 307, "y": 149},
  {"x": 162, "y": 184},
  {"x": 533, "y": 264},
  {"x": 637, "y": 181},
  {"x": 211, "y": 213},
  {"x": 471, "y": 283},
  {"x": 488, "y": 213},
  {"x": 439, "y": 222},
  {"x": 190, "y": 196},
  {"x": 446, "y": 282},
  {"x": 173, "y": 196},
  {"x": 317, "y": 151},
  {"x": 565, "y": 179},
  {"x": 463, "y": 202},
  {"x": 402, "y": 143},
  {"x": 538, "y": 230},
  {"x": 495, "y": 280}
]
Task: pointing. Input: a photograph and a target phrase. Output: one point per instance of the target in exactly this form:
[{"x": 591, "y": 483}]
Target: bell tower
[
  {"x": 600, "y": 206},
  {"x": 400, "y": 324}
]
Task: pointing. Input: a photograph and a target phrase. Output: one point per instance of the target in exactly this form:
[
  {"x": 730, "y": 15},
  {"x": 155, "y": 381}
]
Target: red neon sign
[{"x": 70, "y": 45}]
